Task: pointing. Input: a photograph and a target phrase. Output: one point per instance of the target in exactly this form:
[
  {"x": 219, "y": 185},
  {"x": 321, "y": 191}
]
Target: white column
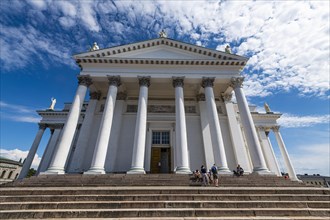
[
  {"x": 285, "y": 155},
  {"x": 111, "y": 158},
  {"x": 258, "y": 160},
  {"x": 100, "y": 152},
  {"x": 206, "y": 132},
  {"x": 61, "y": 154},
  {"x": 268, "y": 151},
  {"x": 181, "y": 146},
  {"x": 236, "y": 135},
  {"x": 218, "y": 145},
  {"x": 83, "y": 140},
  {"x": 49, "y": 151},
  {"x": 140, "y": 129},
  {"x": 32, "y": 152}
]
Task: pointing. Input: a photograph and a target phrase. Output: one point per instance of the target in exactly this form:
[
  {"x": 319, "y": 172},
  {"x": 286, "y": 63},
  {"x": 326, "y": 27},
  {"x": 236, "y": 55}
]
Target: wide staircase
[{"x": 163, "y": 196}]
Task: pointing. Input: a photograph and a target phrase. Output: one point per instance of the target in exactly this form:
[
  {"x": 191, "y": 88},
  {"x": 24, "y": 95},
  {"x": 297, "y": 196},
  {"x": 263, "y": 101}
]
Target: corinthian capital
[
  {"x": 200, "y": 97},
  {"x": 276, "y": 128},
  {"x": 42, "y": 126},
  {"x": 84, "y": 80},
  {"x": 227, "y": 97},
  {"x": 95, "y": 95},
  {"x": 178, "y": 81},
  {"x": 144, "y": 81},
  {"x": 114, "y": 80},
  {"x": 121, "y": 95},
  {"x": 236, "y": 82},
  {"x": 208, "y": 82}
]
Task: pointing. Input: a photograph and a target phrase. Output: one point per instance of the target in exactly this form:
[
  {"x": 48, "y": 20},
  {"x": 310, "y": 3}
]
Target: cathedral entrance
[{"x": 160, "y": 152}]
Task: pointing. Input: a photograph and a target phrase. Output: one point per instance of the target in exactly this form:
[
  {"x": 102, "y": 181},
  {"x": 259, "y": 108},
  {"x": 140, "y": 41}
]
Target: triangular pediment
[
  {"x": 162, "y": 52},
  {"x": 160, "y": 48}
]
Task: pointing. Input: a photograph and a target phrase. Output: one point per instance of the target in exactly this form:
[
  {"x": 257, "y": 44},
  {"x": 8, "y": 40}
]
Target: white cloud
[
  {"x": 88, "y": 16},
  {"x": 18, "y": 113},
  {"x": 287, "y": 41},
  {"x": 38, "y": 4},
  {"x": 17, "y": 154},
  {"x": 312, "y": 159},
  {"x": 292, "y": 121}
]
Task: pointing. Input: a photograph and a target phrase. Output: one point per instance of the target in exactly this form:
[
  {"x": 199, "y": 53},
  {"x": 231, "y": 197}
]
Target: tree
[{"x": 31, "y": 172}]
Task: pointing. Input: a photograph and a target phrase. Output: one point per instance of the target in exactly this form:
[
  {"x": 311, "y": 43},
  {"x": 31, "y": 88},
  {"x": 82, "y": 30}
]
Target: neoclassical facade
[
  {"x": 158, "y": 106},
  {"x": 9, "y": 169}
]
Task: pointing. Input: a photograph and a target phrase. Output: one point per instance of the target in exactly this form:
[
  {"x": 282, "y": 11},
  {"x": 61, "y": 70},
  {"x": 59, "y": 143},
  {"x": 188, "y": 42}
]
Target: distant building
[
  {"x": 9, "y": 169},
  {"x": 315, "y": 179}
]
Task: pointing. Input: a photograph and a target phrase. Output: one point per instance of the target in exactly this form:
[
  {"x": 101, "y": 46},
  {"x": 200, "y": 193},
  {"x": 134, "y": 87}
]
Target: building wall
[{"x": 9, "y": 170}]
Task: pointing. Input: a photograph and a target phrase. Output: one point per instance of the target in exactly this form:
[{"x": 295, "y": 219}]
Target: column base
[
  {"x": 262, "y": 171},
  {"x": 95, "y": 171},
  {"x": 182, "y": 170},
  {"x": 295, "y": 179},
  {"x": 53, "y": 171},
  {"x": 224, "y": 170},
  {"x": 136, "y": 170}
]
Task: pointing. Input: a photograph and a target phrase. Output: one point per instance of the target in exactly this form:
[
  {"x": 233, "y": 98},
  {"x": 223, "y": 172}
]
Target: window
[
  {"x": 11, "y": 173},
  {"x": 3, "y": 174},
  {"x": 161, "y": 137}
]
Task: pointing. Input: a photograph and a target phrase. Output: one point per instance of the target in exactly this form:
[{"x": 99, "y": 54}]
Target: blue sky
[{"x": 287, "y": 43}]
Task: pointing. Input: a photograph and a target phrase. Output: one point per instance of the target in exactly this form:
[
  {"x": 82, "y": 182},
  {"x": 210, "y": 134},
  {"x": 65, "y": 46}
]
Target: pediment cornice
[
  {"x": 108, "y": 60},
  {"x": 212, "y": 57}
]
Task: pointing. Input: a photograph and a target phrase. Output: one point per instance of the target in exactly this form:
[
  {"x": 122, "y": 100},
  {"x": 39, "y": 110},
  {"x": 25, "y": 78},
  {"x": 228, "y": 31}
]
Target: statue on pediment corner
[
  {"x": 228, "y": 49},
  {"x": 94, "y": 47},
  {"x": 267, "y": 108},
  {"x": 52, "y": 104},
  {"x": 162, "y": 34}
]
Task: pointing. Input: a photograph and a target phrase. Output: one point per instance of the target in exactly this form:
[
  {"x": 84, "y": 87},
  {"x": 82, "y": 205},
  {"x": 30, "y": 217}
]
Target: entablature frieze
[{"x": 132, "y": 61}]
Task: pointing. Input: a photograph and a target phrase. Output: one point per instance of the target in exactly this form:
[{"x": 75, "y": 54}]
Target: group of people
[
  {"x": 211, "y": 176},
  {"x": 207, "y": 177}
]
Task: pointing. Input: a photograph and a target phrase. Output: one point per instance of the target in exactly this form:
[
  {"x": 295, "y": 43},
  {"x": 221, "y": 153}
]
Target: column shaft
[
  {"x": 236, "y": 137},
  {"x": 218, "y": 145},
  {"x": 32, "y": 152},
  {"x": 181, "y": 145},
  {"x": 268, "y": 152},
  {"x": 61, "y": 154},
  {"x": 77, "y": 164},
  {"x": 49, "y": 151},
  {"x": 285, "y": 155},
  {"x": 140, "y": 129},
  {"x": 258, "y": 160},
  {"x": 100, "y": 152},
  {"x": 206, "y": 132}
]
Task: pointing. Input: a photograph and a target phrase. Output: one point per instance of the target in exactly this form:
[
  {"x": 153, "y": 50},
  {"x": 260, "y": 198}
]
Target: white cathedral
[{"x": 158, "y": 106}]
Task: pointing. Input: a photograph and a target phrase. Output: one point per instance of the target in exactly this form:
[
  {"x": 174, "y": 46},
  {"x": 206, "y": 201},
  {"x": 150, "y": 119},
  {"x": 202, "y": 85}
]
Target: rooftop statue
[
  {"x": 267, "y": 109},
  {"x": 162, "y": 34},
  {"x": 52, "y": 105},
  {"x": 94, "y": 47},
  {"x": 227, "y": 49}
]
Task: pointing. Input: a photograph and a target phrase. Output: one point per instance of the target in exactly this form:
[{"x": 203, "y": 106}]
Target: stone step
[
  {"x": 161, "y": 196},
  {"x": 223, "y": 218},
  {"x": 149, "y": 179},
  {"x": 151, "y": 212},
  {"x": 163, "y": 204},
  {"x": 160, "y": 190},
  {"x": 165, "y": 197}
]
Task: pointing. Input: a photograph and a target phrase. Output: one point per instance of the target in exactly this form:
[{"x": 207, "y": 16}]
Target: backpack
[{"x": 214, "y": 170}]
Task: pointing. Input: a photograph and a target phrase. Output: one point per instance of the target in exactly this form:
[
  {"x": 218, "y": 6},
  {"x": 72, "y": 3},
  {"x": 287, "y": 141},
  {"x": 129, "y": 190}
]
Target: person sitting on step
[
  {"x": 197, "y": 176},
  {"x": 239, "y": 171}
]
